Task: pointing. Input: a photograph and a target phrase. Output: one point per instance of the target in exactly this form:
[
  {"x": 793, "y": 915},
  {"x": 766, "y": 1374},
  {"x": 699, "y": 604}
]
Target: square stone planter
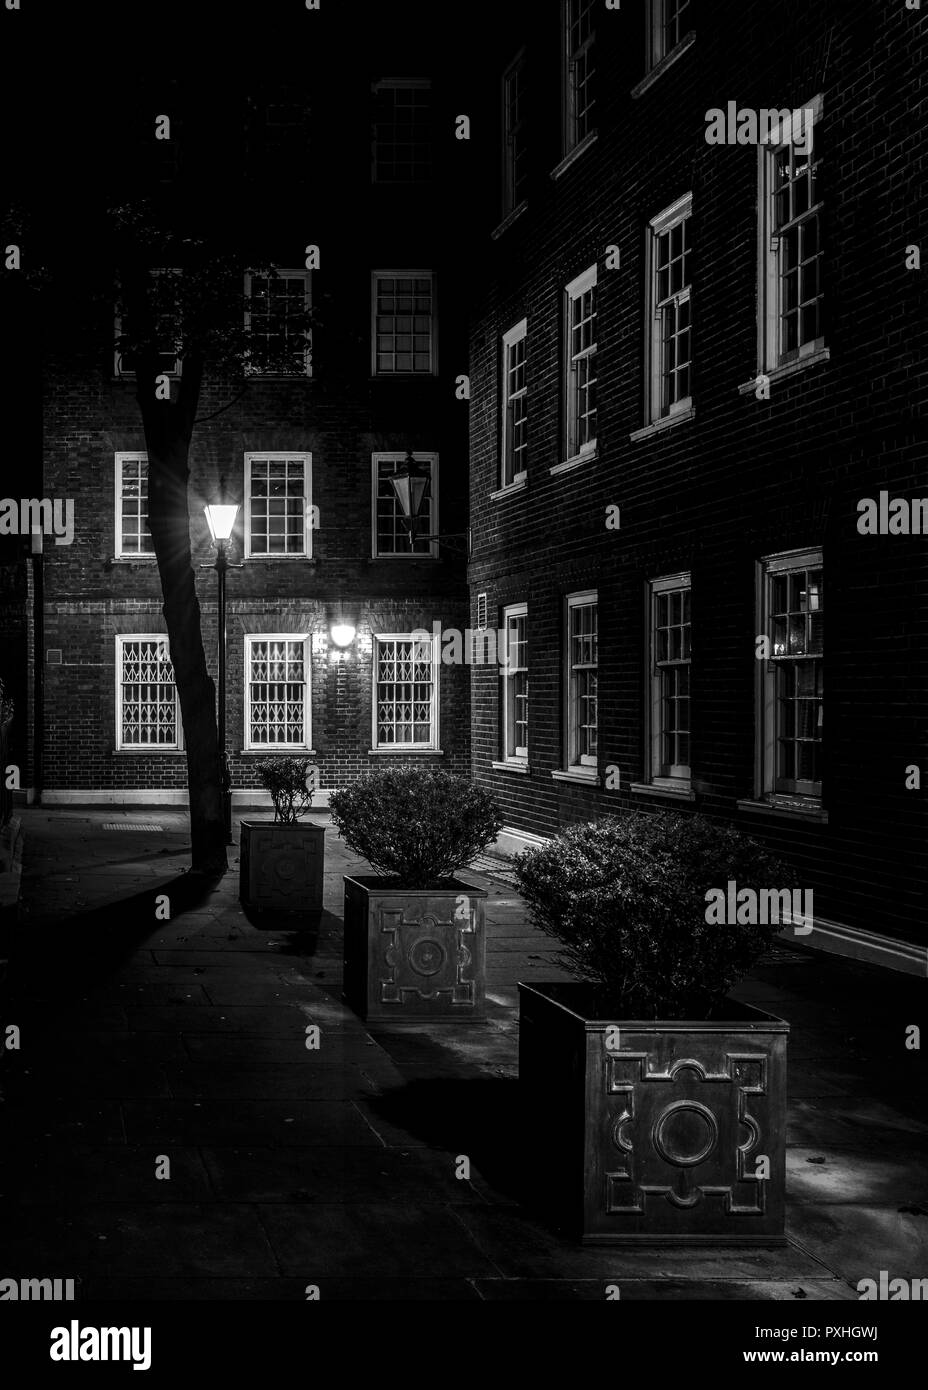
[
  {"x": 281, "y": 867},
  {"x": 653, "y": 1131},
  {"x": 414, "y": 953}
]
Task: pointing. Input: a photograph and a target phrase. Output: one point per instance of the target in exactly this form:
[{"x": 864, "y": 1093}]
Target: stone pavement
[{"x": 144, "y": 1040}]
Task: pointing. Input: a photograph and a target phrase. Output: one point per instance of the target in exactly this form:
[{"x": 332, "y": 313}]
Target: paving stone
[
  {"x": 185, "y": 1290},
  {"x": 850, "y": 1122},
  {"x": 858, "y": 1241},
  {"x": 298, "y": 1080},
  {"x": 636, "y": 1290},
  {"x": 247, "y": 1122},
  {"x": 102, "y": 1173},
  {"x": 871, "y": 1177},
  {"x": 375, "y": 1241},
  {"x": 238, "y": 1019},
  {"x": 331, "y": 1175}
]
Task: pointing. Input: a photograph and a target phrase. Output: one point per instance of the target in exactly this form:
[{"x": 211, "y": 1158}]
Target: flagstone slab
[
  {"x": 379, "y": 1241},
  {"x": 672, "y": 1290},
  {"x": 858, "y": 1241},
  {"x": 186, "y": 1290},
  {"x": 298, "y": 1080},
  {"x": 246, "y": 1122},
  {"x": 269, "y": 1021},
  {"x": 878, "y": 1177},
  {"x": 850, "y": 1122},
  {"x": 103, "y": 1173}
]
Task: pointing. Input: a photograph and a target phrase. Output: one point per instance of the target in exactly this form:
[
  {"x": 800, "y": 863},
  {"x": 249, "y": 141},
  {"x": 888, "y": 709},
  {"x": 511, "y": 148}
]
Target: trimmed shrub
[
  {"x": 414, "y": 825},
  {"x": 285, "y": 779},
  {"x": 626, "y": 898}
]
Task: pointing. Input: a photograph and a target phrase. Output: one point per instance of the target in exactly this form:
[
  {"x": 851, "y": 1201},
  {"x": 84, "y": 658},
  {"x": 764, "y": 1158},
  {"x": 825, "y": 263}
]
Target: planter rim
[
  {"x": 743, "y": 1015},
  {"x": 377, "y": 883},
  {"x": 279, "y": 825}
]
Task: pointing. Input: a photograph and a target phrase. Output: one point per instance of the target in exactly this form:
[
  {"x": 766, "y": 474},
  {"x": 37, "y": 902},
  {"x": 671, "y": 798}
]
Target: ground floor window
[
  {"x": 791, "y": 705},
  {"x": 669, "y": 681},
  {"x": 581, "y": 679},
  {"x": 405, "y": 691},
  {"x": 147, "y": 708},
  {"x": 277, "y": 703}
]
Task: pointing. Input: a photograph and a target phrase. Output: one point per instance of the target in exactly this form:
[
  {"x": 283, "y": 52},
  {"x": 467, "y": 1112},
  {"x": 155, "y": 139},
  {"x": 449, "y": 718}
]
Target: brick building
[
  {"x": 306, "y": 454},
  {"x": 691, "y": 359}
]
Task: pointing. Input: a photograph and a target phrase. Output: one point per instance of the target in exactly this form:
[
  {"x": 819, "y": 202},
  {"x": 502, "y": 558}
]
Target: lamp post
[
  {"x": 409, "y": 483},
  {"x": 220, "y": 518}
]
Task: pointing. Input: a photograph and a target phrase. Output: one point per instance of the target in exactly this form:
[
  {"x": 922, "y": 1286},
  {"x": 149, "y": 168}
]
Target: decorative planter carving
[
  {"x": 414, "y": 953},
  {"x": 281, "y": 867},
  {"x": 655, "y": 1131}
]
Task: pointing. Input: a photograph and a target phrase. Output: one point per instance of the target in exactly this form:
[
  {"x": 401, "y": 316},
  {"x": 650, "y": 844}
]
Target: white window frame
[
  {"x": 513, "y": 754},
  {"x": 766, "y": 733},
  {"x": 572, "y": 450},
  {"x": 303, "y": 745},
  {"x": 433, "y": 745},
  {"x": 276, "y": 456},
  {"x": 676, "y": 583},
  {"x": 400, "y": 457},
  {"x": 124, "y": 375},
  {"x": 572, "y": 139},
  {"x": 517, "y": 334},
  {"x": 654, "y": 33},
  {"x": 586, "y": 766},
  {"x": 135, "y": 456},
  {"x": 402, "y": 84},
  {"x": 296, "y": 274},
  {"x": 121, "y": 747},
  {"x": 664, "y": 222},
  {"x": 513, "y": 131},
  {"x": 770, "y": 359},
  {"x": 376, "y": 277}
]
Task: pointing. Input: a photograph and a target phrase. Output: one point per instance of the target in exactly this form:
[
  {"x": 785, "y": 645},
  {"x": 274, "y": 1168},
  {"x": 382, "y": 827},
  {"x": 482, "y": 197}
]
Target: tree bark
[{"x": 168, "y": 427}]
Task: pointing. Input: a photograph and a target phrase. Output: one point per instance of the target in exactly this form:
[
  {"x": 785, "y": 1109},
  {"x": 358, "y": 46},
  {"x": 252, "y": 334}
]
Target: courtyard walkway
[{"x": 169, "y": 1135}]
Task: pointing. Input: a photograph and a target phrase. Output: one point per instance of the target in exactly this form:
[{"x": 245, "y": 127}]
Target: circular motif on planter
[
  {"x": 285, "y": 866},
  {"x": 427, "y": 956},
  {"x": 685, "y": 1133}
]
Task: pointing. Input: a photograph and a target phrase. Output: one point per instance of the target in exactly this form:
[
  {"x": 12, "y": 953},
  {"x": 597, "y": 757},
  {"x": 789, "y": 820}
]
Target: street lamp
[
  {"x": 220, "y": 518},
  {"x": 409, "y": 483}
]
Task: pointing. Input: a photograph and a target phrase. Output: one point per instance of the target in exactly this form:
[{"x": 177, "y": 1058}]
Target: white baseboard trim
[
  {"x": 117, "y": 796},
  {"x": 856, "y": 943},
  {"x": 512, "y": 841}
]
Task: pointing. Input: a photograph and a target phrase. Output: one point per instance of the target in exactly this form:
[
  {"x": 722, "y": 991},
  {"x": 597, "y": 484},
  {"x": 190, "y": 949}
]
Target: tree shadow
[
  {"x": 297, "y": 932},
  {"x": 79, "y": 953}
]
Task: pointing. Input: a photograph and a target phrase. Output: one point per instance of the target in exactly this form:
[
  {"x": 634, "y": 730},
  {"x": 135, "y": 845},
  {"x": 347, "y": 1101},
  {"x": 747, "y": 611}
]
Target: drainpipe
[{"x": 38, "y": 683}]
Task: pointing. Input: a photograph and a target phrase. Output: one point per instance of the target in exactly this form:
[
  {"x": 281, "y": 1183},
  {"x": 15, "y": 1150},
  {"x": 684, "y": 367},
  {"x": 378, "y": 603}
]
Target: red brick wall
[{"x": 744, "y": 478}]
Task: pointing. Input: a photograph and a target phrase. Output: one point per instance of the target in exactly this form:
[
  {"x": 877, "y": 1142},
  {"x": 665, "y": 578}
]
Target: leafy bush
[
  {"x": 626, "y": 897},
  {"x": 285, "y": 779},
  {"x": 417, "y": 826}
]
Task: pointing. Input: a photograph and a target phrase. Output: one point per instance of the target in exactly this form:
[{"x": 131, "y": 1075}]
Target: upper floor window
[
  {"x": 277, "y": 309},
  {"x": 668, "y": 23},
  {"x": 133, "y": 537},
  {"x": 163, "y": 305},
  {"x": 515, "y": 160},
  {"x": 147, "y": 705},
  {"x": 402, "y": 131},
  {"x": 669, "y": 682},
  {"x": 392, "y": 534},
  {"x": 405, "y": 691},
  {"x": 579, "y": 70},
  {"x": 580, "y": 324},
  {"x": 670, "y": 312},
  {"x": 792, "y": 603},
  {"x": 791, "y": 298},
  {"x": 278, "y": 506},
  {"x": 514, "y": 442},
  {"x": 582, "y": 683},
  {"x": 404, "y": 323},
  {"x": 277, "y": 703}
]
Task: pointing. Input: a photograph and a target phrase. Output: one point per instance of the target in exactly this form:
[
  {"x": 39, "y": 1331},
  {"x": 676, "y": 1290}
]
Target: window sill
[
  {"x": 278, "y": 376},
  {"x": 575, "y": 154},
  {"x": 519, "y": 484},
  {"x": 575, "y": 462},
  {"x": 508, "y": 220},
  {"x": 666, "y": 62},
  {"x": 416, "y": 559},
  {"x": 131, "y": 559},
  {"x": 787, "y": 810},
  {"x": 406, "y": 752},
  {"x": 651, "y": 789},
  {"x": 668, "y": 421},
  {"x": 511, "y": 767},
  {"x": 265, "y": 559},
  {"x": 789, "y": 369},
  {"x": 578, "y": 776}
]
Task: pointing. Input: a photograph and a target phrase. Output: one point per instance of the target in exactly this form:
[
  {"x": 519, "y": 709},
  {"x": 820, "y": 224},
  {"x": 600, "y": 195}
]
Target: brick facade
[{"x": 744, "y": 478}]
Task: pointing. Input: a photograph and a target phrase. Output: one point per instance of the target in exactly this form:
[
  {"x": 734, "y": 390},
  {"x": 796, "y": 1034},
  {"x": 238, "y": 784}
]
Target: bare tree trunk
[{"x": 168, "y": 427}]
